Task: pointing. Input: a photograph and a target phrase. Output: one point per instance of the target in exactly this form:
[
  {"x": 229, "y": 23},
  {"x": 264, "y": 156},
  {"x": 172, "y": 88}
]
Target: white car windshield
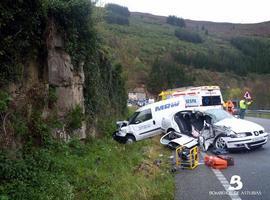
[
  {"x": 132, "y": 118},
  {"x": 218, "y": 114}
]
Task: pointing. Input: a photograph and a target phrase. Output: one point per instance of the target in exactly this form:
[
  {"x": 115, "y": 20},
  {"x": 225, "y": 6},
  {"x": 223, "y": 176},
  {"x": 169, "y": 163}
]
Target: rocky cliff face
[
  {"x": 67, "y": 81},
  {"x": 57, "y": 72}
]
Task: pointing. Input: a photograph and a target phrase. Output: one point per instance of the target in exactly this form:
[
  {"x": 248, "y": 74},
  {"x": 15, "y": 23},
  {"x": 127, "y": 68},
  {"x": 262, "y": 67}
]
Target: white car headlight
[
  {"x": 240, "y": 135},
  {"x": 122, "y": 132},
  {"x": 232, "y": 134}
]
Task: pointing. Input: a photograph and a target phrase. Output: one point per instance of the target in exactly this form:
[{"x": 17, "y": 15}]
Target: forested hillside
[{"x": 161, "y": 53}]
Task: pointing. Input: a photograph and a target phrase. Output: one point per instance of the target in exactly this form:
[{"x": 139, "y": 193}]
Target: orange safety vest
[{"x": 230, "y": 106}]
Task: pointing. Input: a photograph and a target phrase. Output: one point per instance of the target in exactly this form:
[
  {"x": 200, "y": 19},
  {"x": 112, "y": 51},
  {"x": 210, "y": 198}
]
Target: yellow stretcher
[{"x": 187, "y": 158}]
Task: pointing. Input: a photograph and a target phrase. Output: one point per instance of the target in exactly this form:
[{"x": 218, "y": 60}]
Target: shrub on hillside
[
  {"x": 257, "y": 50},
  {"x": 188, "y": 36},
  {"x": 74, "y": 118},
  {"x": 104, "y": 81},
  {"x": 167, "y": 74},
  {"x": 117, "y": 9},
  {"x": 176, "y": 21},
  {"x": 112, "y": 18},
  {"x": 117, "y": 14},
  {"x": 219, "y": 60}
]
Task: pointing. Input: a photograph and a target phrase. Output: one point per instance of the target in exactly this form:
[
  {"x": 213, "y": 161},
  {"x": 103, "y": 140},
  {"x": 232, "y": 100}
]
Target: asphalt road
[{"x": 252, "y": 166}]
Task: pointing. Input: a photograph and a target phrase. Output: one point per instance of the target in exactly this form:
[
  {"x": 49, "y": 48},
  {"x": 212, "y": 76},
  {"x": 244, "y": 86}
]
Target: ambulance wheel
[
  {"x": 130, "y": 139},
  {"x": 220, "y": 143}
]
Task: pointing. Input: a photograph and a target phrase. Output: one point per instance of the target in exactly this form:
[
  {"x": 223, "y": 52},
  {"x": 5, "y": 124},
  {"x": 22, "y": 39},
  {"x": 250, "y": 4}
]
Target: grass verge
[{"x": 99, "y": 169}]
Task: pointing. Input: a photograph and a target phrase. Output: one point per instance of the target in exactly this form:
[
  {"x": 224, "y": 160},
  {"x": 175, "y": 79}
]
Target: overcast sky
[{"x": 236, "y": 11}]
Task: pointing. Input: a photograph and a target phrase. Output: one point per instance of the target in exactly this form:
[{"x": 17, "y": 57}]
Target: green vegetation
[
  {"x": 74, "y": 118},
  {"x": 217, "y": 60},
  {"x": 252, "y": 58},
  {"x": 256, "y": 51},
  {"x": 167, "y": 74},
  {"x": 231, "y": 61},
  {"x": 73, "y": 17},
  {"x": 100, "y": 169},
  {"x": 188, "y": 36},
  {"x": 117, "y": 14},
  {"x": 4, "y": 101},
  {"x": 24, "y": 28},
  {"x": 25, "y": 25},
  {"x": 176, "y": 21},
  {"x": 52, "y": 97},
  {"x": 33, "y": 163},
  {"x": 21, "y": 32},
  {"x": 105, "y": 93}
]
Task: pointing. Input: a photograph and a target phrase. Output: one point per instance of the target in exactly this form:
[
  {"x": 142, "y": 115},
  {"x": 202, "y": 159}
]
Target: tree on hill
[
  {"x": 176, "y": 21},
  {"x": 121, "y": 10},
  {"x": 117, "y": 14},
  {"x": 218, "y": 60},
  {"x": 257, "y": 50},
  {"x": 166, "y": 74},
  {"x": 188, "y": 36}
]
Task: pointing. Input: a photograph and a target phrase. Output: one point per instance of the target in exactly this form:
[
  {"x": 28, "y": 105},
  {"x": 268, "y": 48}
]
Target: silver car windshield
[{"x": 218, "y": 114}]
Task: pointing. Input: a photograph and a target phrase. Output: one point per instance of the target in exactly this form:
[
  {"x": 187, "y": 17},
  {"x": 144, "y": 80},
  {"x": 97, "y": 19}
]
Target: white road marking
[{"x": 224, "y": 182}]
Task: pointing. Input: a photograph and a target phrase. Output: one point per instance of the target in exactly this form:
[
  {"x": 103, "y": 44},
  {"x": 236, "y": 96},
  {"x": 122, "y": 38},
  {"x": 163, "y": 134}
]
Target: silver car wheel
[
  {"x": 220, "y": 143},
  {"x": 130, "y": 139}
]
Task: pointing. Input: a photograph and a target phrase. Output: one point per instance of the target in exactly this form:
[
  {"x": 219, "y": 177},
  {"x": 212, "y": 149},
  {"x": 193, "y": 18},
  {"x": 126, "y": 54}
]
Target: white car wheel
[{"x": 220, "y": 143}]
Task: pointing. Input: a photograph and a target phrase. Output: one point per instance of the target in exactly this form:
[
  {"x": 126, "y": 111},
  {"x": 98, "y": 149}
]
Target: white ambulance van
[
  {"x": 202, "y": 96},
  {"x": 146, "y": 121}
]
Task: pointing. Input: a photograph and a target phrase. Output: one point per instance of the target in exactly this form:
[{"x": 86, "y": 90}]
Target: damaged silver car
[{"x": 214, "y": 127}]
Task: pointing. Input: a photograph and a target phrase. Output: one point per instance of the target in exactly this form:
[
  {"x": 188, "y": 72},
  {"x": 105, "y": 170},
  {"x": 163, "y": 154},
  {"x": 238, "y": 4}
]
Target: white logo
[{"x": 236, "y": 183}]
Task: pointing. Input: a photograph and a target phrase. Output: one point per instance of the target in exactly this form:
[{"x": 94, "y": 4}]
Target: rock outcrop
[{"x": 67, "y": 81}]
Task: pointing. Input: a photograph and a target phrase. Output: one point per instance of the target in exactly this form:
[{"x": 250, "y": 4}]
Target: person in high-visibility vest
[{"x": 244, "y": 103}]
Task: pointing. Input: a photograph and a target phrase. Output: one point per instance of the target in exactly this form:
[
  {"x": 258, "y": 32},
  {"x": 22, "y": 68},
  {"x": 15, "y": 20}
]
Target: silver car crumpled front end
[{"x": 246, "y": 140}]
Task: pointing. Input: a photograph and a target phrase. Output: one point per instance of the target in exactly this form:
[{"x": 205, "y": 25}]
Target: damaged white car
[{"x": 213, "y": 127}]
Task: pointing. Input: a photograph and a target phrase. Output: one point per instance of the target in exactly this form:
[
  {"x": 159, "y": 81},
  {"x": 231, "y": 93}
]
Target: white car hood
[{"x": 239, "y": 125}]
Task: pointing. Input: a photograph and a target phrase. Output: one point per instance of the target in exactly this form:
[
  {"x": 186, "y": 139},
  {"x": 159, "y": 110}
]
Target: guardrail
[{"x": 259, "y": 113}]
